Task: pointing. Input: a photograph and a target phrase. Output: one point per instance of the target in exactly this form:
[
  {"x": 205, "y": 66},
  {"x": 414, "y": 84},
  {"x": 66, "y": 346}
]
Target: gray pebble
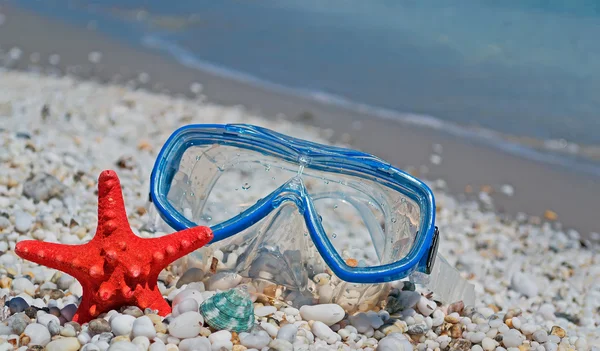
[
  {"x": 98, "y": 326},
  {"x": 43, "y": 187},
  {"x": 288, "y": 332},
  {"x": 133, "y": 311},
  {"x": 18, "y": 322},
  {"x": 53, "y": 327}
]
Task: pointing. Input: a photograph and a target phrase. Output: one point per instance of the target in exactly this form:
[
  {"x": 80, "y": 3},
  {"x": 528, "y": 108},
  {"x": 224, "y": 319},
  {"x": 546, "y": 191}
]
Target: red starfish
[{"x": 116, "y": 268}]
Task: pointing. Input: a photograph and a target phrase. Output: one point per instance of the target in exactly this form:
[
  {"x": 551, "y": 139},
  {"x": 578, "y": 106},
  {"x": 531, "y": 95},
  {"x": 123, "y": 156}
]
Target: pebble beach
[{"x": 537, "y": 285}]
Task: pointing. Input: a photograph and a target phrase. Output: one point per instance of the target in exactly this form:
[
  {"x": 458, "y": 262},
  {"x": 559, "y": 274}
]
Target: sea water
[{"x": 525, "y": 68}]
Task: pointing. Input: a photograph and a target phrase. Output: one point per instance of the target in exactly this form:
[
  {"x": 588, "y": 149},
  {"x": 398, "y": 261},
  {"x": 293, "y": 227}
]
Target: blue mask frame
[{"x": 320, "y": 157}]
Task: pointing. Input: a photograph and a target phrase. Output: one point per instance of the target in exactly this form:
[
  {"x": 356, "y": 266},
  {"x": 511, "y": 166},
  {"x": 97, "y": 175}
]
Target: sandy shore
[{"x": 463, "y": 165}]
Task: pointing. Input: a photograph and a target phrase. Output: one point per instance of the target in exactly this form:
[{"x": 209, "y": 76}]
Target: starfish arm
[
  {"x": 111, "y": 207},
  {"x": 57, "y": 256},
  {"x": 168, "y": 248}
]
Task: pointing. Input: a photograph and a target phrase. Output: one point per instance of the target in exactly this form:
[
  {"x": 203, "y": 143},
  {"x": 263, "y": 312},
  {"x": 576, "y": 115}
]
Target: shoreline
[{"x": 463, "y": 164}]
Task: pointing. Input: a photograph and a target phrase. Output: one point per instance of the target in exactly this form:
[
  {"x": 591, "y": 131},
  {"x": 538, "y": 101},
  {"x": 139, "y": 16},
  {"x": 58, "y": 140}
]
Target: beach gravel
[{"x": 537, "y": 286}]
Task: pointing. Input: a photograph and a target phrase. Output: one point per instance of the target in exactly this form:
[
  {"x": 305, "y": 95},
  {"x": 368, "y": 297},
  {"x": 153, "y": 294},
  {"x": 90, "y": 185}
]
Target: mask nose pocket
[{"x": 276, "y": 249}]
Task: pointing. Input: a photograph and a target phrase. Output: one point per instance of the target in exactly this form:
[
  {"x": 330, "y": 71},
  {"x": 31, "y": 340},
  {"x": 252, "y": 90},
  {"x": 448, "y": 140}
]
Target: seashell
[{"x": 229, "y": 310}]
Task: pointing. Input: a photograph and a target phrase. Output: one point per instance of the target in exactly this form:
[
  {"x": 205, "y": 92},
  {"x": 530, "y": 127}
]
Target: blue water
[{"x": 521, "y": 67}]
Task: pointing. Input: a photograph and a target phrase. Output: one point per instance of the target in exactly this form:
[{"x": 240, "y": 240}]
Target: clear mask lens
[{"x": 368, "y": 224}]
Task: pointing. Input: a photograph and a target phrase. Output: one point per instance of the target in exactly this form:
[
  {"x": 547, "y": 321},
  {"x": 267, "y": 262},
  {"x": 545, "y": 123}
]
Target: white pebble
[
  {"x": 23, "y": 221},
  {"x": 394, "y": 342},
  {"x": 195, "y": 344},
  {"x": 524, "y": 284},
  {"x": 122, "y": 324},
  {"x": 186, "y": 325},
  {"x": 142, "y": 342},
  {"x": 221, "y": 335},
  {"x": 512, "y": 338},
  {"x": 488, "y": 344},
  {"x": 322, "y": 331},
  {"x": 159, "y": 345},
  {"x": 288, "y": 332},
  {"x": 269, "y": 328},
  {"x": 38, "y": 334},
  {"x": 264, "y": 311},
  {"x": 326, "y": 313},
  {"x": 143, "y": 326},
  {"x": 23, "y": 285},
  {"x": 123, "y": 346},
  {"x": 64, "y": 344},
  {"x": 477, "y": 337},
  {"x": 45, "y": 318}
]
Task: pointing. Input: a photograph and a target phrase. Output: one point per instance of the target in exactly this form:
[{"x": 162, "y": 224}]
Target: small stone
[
  {"x": 256, "y": 339},
  {"x": 264, "y": 311},
  {"x": 64, "y": 344},
  {"x": 195, "y": 344},
  {"x": 558, "y": 331},
  {"x": 459, "y": 345},
  {"x": 123, "y": 346},
  {"x": 122, "y": 324},
  {"x": 98, "y": 326},
  {"x": 53, "y": 327},
  {"x": 281, "y": 345},
  {"x": 288, "y": 332},
  {"x": 23, "y": 222},
  {"x": 326, "y": 313},
  {"x": 186, "y": 325},
  {"x": 43, "y": 187},
  {"x": 488, "y": 344},
  {"x": 142, "y": 342},
  {"x": 17, "y": 304},
  {"x": 404, "y": 300},
  {"x": 524, "y": 284},
  {"x": 394, "y": 342},
  {"x": 456, "y": 307},
  {"x": 133, "y": 311},
  {"x": 477, "y": 337},
  {"x": 322, "y": 331},
  {"x": 45, "y": 318},
  {"x": 143, "y": 326},
  {"x": 540, "y": 336},
  {"x": 23, "y": 285},
  {"x": 512, "y": 338},
  {"x": 18, "y": 322}
]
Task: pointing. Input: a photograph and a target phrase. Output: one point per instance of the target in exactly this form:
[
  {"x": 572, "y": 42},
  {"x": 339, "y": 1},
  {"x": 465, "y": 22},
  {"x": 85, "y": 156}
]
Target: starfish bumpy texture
[{"x": 116, "y": 268}]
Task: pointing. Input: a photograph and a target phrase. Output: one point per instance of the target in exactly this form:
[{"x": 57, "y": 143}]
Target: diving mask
[{"x": 318, "y": 221}]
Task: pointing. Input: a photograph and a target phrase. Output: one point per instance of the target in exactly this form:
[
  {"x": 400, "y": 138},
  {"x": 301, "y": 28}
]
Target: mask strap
[{"x": 446, "y": 283}]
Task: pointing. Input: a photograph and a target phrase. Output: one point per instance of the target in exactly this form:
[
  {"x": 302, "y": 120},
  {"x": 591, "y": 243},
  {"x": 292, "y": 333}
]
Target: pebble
[
  {"x": 143, "y": 326},
  {"x": 325, "y": 313},
  {"x": 287, "y": 332},
  {"x": 98, "y": 326},
  {"x": 123, "y": 346},
  {"x": 512, "y": 338},
  {"x": 23, "y": 285},
  {"x": 524, "y": 284},
  {"x": 323, "y": 332},
  {"x": 17, "y": 304},
  {"x": 45, "y": 318},
  {"x": 122, "y": 324},
  {"x": 195, "y": 344},
  {"x": 255, "y": 339},
  {"x": 264, "y": 311},
  {"x": 394, "y": 342},
  {"x": 23, "y": 221},
  {"x": 186, "y": 325},
  {"x": 64, "y": 344},
  {"x": 38, "y": 334}
]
